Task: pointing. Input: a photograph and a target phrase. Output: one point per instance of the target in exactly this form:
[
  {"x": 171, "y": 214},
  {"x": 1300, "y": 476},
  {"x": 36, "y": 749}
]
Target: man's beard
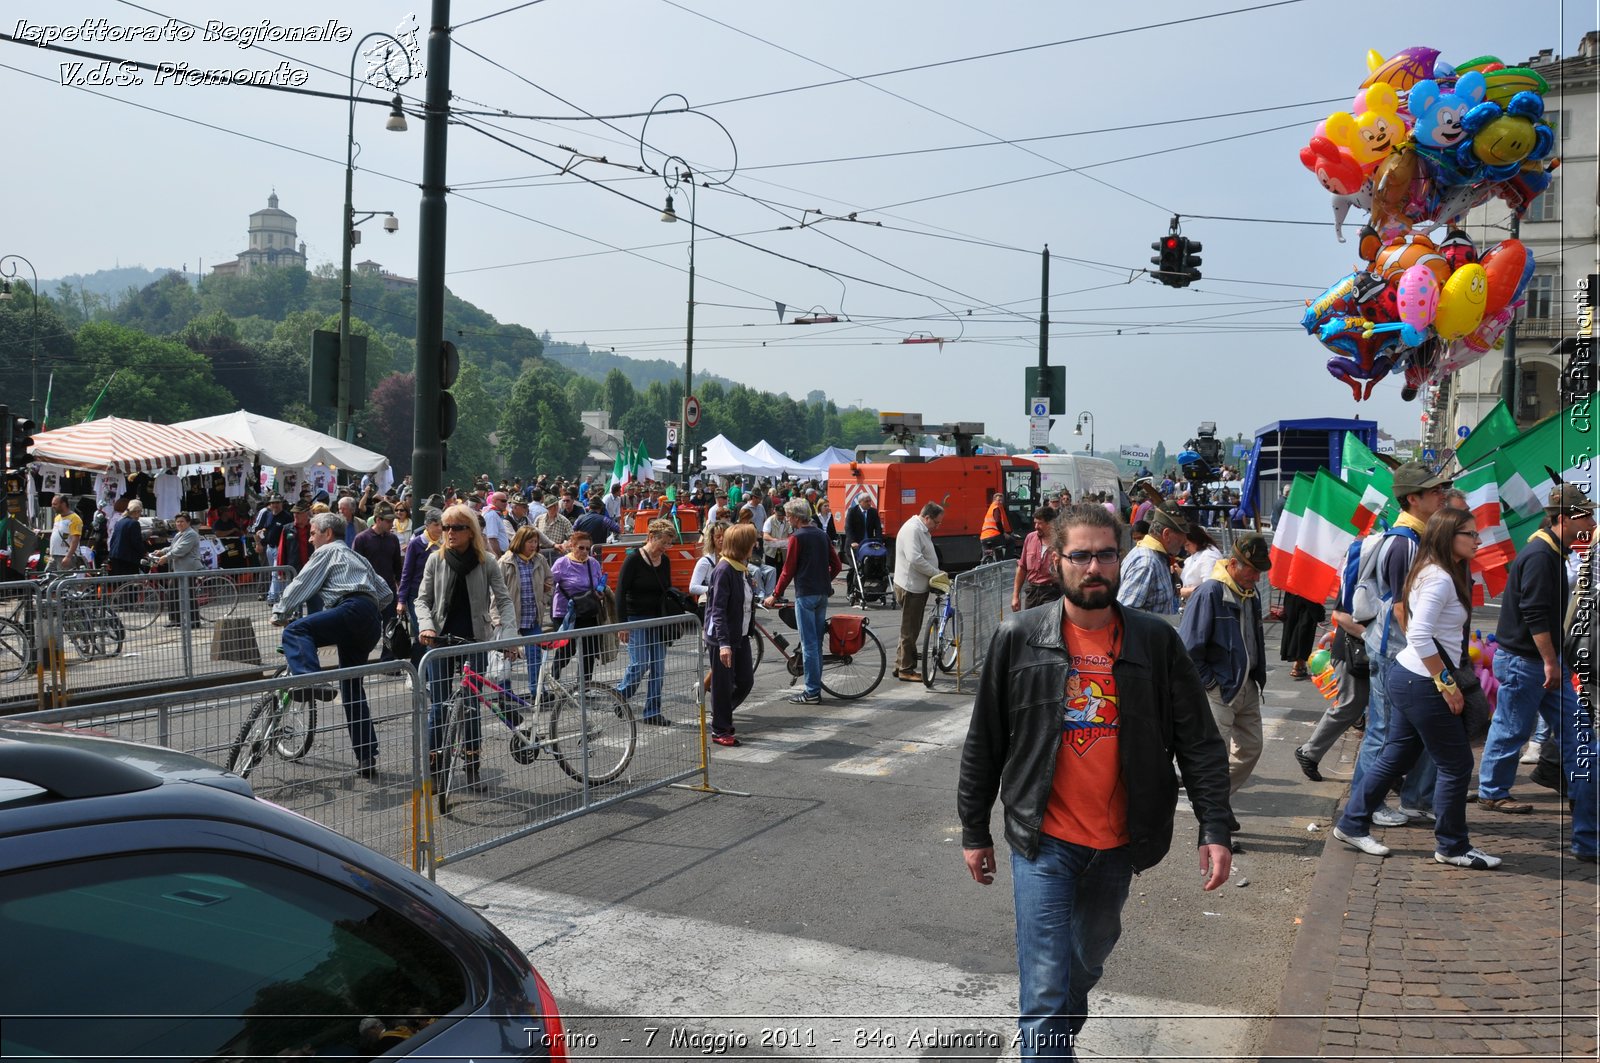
[{"x": 1096, "y": 595}]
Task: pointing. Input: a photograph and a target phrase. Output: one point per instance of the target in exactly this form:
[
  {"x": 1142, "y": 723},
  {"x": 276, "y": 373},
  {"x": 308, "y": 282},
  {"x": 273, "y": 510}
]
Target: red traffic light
[{"x": 1170, "y": 242}]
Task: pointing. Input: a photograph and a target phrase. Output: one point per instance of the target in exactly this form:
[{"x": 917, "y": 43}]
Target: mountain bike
[
  {"x": 846, "y": 676},
  {"x": 592, "y": 739},
  {"x": 281, "y": 721},
  {"x": 941, "y": 642}
]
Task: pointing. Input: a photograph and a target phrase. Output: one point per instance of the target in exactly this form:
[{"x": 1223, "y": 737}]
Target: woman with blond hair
[
  {"x": 710, "y": 553},
  {"x": 642, "y": 595},
  {"x": 462, "y": 594},
  {"x": 527, "y": 576},
  {"x": 730, "y": 615}
]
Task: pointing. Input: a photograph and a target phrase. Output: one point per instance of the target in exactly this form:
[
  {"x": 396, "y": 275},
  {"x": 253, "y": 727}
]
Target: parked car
[{"x": 153, "y": 908}]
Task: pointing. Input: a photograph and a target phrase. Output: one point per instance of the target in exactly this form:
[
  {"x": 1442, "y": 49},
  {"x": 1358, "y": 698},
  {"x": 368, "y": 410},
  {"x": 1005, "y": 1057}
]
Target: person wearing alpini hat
[
  {"x": 1223, "y": 633},
  {"x": 1147, "y": 570}
]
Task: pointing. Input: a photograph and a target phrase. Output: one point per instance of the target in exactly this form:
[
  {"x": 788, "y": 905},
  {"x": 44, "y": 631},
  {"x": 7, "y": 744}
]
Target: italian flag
[
  {"x": 1310, "y": 542},
  {"x": 642, "y": 469},
  {"x": 1366, "y": 472},
  {"x": 1481, "y": 485},
  {"x": 1495, "y": 430},
  {"x": 1559, "y": 448},
  {"x": 620, "y": 468}
]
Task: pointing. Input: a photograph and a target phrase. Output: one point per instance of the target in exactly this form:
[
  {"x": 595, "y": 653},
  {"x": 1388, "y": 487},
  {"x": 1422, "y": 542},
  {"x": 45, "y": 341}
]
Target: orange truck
[{"x": 962, "y": 484}]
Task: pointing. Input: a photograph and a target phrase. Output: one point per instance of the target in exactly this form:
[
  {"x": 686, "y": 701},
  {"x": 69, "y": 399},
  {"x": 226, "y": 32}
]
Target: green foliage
[
  {"x": 539, "y": 431},
  {"x": 470, "y": 448},
  {"x": 150, "y": 379}
]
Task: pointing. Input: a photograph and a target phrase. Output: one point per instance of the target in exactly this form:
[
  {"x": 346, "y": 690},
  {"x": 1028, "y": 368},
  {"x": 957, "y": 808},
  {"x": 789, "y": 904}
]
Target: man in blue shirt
[{"x": 811, "y": 563}]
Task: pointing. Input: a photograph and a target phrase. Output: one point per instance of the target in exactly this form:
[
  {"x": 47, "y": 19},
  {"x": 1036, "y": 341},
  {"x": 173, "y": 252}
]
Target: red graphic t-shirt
[{"x": 1088, "y": 803}]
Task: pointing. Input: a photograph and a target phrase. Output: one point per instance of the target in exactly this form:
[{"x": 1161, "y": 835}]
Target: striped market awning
[{"x": 118, "y": 445}]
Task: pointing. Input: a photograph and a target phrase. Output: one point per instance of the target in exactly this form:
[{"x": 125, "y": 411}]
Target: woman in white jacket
[{"x": 1425, "y": 702}]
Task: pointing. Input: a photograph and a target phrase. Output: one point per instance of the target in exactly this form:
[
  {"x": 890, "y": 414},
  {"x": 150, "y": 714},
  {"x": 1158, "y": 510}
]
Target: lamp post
[
  {"x": 396, "y": 123},
  {"x": 8, "y": 270},
  {"x": 1086, "y": 418},
  {"x": 668, "y": 214}
]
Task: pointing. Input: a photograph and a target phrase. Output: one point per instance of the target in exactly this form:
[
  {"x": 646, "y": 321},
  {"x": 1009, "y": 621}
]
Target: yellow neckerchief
[
  {"x": 1406, "y": 520},
  {"x": 739, "y": 566},
  {"x": 1547, "y": 537},
  {"x": 1153, "y": 543},
  {"x": 1220, "y": 573}
]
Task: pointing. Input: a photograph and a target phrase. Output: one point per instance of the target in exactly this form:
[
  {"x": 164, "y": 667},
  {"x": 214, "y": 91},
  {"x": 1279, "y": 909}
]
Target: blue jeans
[
  {"x": 647, "y": 656},
  {"x": 1069, "y": 916},
  {"x": 353, "y": 627},
  {"x": 1522, "y": 698},
  {"x": 1417, "y": 789},
  {"x": 811, "y": 613},
  {"x": 1419, "y": 720},
  {"x": 441, "y": 677},
  {"x": 534, "y": 655}
]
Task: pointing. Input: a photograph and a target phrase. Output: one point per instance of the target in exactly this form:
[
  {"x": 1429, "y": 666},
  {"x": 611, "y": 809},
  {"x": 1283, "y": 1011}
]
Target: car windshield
[{"x": 202, "y": 955}]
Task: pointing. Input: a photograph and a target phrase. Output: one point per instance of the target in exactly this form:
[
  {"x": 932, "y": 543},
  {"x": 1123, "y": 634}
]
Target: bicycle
[
  {"x": 941, "y": 642},
  {"x": 281, "y": 721},
  {"x": 16, "y": 651},
  {"x": 592, "y": 740},
  {"x": 213, "y": 596},
  {"x": 846, "y": 676},
  {"x": 94, "y": 630}
]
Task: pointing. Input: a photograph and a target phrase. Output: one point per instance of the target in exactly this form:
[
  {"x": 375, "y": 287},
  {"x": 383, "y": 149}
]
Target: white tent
[
  {"x": 770, "y": 454},
  {"x": 725, "y": 459},
  {"x": 818, "y": 463},
  {"x": 287, "y": 445}
]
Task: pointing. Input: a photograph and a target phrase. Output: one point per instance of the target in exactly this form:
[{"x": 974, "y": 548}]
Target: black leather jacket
[{"x": 1015, "y": 735}]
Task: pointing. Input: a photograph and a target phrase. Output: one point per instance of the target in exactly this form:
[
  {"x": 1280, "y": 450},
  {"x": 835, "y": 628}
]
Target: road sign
[
  {"x": 1463, "y": 432},
  {"x": 1039, "y": 430},
  {"x": 672, "y": 433},
  {"x": 1039, "y": 406},
  {"x": 1430, "y": 454},
  {"x": 691, "y": 411},
  {"x": 1040, "y": 450}
]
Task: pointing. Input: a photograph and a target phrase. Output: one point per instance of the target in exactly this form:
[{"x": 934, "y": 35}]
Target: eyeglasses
[
  {"x": 580, "y": 549},
  {"x": 458, "y": 527},
  {"x": 1081, "y": 558},
  {"x": 1469, "y": 531}
]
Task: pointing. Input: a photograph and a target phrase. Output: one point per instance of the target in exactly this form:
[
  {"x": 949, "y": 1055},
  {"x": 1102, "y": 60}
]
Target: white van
[{"x": 1078, "y": 473}]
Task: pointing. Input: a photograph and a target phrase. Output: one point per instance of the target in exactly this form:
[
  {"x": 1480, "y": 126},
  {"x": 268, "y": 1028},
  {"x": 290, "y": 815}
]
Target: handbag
[
  {"x": 587, "y": 604},
  {"x": 397, "y": 638},
  {"x": 1475, "y": 710}
]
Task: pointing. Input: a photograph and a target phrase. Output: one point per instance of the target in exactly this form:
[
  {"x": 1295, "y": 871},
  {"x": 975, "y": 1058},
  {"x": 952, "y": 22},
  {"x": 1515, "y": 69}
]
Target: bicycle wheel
[
  {"x": 138, "y": 603},
  {"x": 757, "y": 648},
  {"x": 251, "y": 746},
  {"x": 858, "y": 674},
  {"x": 16, "y": 651},
  {"x": 930, "y": 644},
  {"x": 597, "y": 742},
  {"x": 217, "y": 597},
  {"x": 297, "y": 726},
  {"x": 949, "y": 645},
  {"x": 449, "y": 775},
  {"x": 108, "y": 633}
]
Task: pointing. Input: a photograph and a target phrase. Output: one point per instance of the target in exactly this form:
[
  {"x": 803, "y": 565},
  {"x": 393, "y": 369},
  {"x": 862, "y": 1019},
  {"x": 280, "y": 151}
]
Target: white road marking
[{"x": 616, "y": 960}]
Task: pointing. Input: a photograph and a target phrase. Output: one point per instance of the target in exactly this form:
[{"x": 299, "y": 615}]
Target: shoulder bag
[
  {"x": 587, "y": 604},
  {"x": 1475, "y": 711}
]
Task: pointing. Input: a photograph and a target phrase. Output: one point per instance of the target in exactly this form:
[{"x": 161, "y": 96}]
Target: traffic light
[
  {"x": 1168, "y": 259},
  {"x": 1190, "y": 266},
  {"x": 449, "y": 369},
  {"x": 672, "y": 456},
  {"x": 21, "y": 433},
  {"x": 699, "y": 458}
]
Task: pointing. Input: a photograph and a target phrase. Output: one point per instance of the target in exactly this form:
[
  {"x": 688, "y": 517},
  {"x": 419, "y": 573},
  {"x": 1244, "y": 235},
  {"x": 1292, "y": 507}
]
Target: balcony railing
[{"x": 1546, "y": 328}]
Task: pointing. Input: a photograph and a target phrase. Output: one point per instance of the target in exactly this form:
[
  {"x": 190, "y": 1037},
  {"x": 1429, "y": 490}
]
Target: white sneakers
[
  {"x": 1416, "y": 813},
  {"x": 1475, "y": 859},
  {"x": 1530, "y": 755},
  {"x": 1372, "y": 847}
]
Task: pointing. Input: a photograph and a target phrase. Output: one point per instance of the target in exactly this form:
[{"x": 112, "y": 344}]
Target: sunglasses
[{"x": 458, "y": 527}]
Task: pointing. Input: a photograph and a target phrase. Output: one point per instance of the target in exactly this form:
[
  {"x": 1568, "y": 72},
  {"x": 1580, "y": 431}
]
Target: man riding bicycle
[{"x": 353, "y": 596}]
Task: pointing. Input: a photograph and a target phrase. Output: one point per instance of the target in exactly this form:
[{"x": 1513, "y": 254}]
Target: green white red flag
[
  {"x": 1366, "y": 472},
  {"x": 1495, "y": 430},
  {"x": 1559, "y": 448},
  {"x": 1314, "y": 534}
]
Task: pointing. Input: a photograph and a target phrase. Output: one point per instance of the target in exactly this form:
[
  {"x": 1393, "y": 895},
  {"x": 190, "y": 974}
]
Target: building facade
[{"x": 274, "y": 241}]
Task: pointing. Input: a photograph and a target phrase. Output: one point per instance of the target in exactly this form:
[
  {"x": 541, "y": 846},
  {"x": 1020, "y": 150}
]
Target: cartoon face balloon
[
  {"x": 1374, "y": 133},
  {"x": 1418, "y": 296},
  {"x": 1439, "y": 114},
  {"x": 1461, "y": 302}
]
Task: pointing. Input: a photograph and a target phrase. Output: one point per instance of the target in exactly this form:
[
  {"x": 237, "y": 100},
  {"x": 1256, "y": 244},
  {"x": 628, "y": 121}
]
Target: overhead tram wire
[{"x": 494, "y": 14}]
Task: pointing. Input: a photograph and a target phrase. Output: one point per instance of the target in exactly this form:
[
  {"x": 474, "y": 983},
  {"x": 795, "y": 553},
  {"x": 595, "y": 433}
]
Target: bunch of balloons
[
  {"x": 1481, "y": 651},
  {"x": 1423, "y": 143}
]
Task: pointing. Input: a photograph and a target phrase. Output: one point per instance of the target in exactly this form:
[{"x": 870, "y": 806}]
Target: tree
[
  {"x": 1158, "y": 457},
  {"x": 390, "y": 418},
  {"x": 470, "y": 449},
  {"x": 149, "y": 379},
  {"x": 539, "y": 432},
  {"x": 618, "y": 395}
]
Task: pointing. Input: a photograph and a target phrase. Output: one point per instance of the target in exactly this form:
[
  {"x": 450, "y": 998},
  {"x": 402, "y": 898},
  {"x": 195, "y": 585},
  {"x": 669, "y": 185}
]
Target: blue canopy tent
[{"x": 1284, "y": 448}]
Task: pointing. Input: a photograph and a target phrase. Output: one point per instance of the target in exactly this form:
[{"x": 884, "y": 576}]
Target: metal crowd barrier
[
  {"x": 21, "y": 679},
  {"x": 547, "y": 771},
  {"x": 93, "y": 634},
  {"x": 532, "y": 769},
  {"x": 982, "y": 601}
]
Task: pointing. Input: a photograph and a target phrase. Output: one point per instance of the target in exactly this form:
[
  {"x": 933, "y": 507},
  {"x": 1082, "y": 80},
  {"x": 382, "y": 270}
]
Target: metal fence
[
  {"x": 538, "y": 761},
  {"x": 586, "y": 741},
  {"x": 90, "y": 635},
  {"x": 982, "y": 599}
]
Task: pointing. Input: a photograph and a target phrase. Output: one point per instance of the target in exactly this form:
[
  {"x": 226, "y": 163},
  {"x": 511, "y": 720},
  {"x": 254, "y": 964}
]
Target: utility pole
[
  {"x": 427, "y": 451},
  {"x": 1508, "y": 365},
  {"x": 1044, "y": 313}
]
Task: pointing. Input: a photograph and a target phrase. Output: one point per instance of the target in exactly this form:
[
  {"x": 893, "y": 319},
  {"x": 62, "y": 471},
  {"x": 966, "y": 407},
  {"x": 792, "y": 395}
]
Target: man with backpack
[{"x": 1382, "y": 574}]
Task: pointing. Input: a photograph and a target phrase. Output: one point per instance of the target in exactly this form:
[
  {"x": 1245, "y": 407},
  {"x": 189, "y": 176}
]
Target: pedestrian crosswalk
[{"x": 620, "y": 971}]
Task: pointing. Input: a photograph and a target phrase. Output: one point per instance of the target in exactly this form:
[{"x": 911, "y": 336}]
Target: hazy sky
[{"x": 1147, "y": 112}]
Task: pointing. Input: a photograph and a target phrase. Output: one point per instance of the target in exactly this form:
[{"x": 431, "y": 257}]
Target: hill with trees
[{"x": 174, "y": 350}]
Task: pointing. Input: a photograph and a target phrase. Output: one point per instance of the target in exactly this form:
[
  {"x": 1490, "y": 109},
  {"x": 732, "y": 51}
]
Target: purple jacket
[
  {"x": 572, "y": 579},
  {"x": 411, "y": 572}
]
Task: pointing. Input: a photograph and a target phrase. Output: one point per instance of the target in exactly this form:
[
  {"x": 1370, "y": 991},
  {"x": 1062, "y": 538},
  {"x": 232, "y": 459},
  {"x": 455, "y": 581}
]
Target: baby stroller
[{"x": 869, "y": 580}]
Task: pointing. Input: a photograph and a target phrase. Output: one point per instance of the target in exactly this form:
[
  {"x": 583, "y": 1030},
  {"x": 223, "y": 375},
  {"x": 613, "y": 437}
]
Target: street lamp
[
  {"x": 8, "y": 271},
  {"x": 1086, "y": 418},
  {"x": 675, "y": 179},
  {"x": 396, "y": 124}
]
